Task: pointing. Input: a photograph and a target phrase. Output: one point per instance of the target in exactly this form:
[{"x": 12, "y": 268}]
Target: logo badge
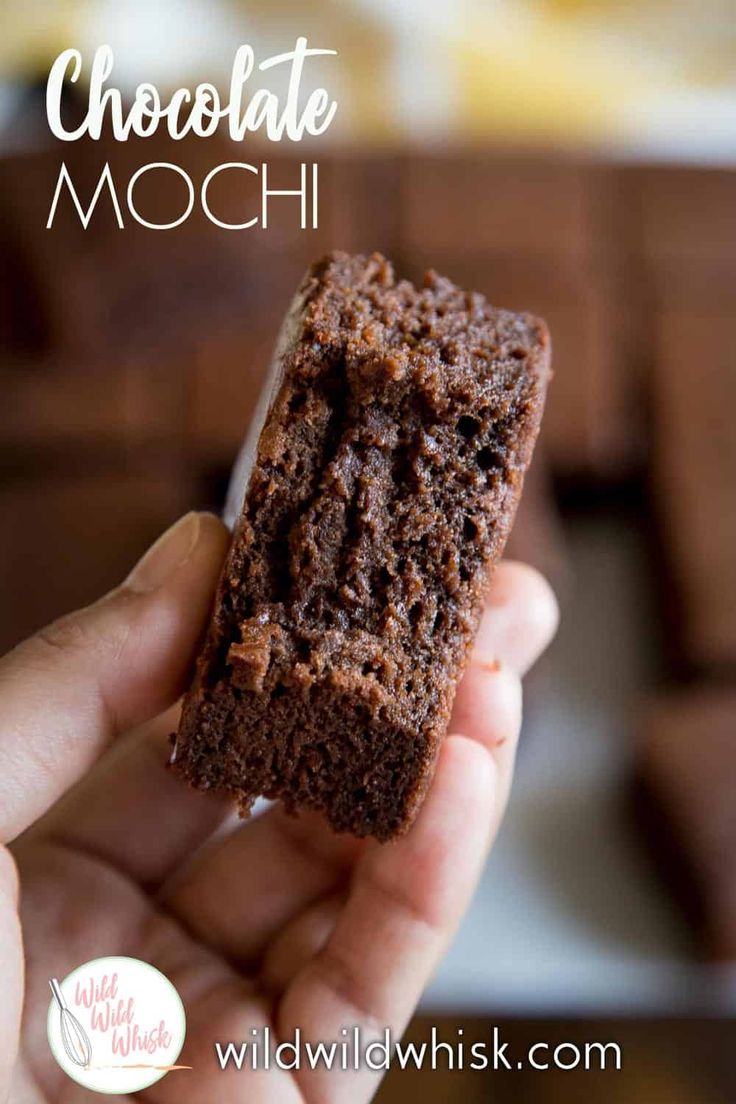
[{"x": 115, "y": 1025}]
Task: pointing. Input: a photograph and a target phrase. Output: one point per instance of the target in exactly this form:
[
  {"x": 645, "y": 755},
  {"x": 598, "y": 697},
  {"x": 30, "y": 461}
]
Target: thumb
[{"x": 68, "y": 690}]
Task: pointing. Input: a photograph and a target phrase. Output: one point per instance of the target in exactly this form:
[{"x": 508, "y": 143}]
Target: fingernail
[{"x": 172, "y": 549}]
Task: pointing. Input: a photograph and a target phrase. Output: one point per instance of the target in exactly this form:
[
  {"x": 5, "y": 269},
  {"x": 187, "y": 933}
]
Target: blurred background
[{"x": 572, "y": 157}]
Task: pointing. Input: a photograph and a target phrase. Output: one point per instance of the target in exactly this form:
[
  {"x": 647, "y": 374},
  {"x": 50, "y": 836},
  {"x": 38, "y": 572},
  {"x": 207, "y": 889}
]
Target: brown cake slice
[{"x": 373, "y": 498}]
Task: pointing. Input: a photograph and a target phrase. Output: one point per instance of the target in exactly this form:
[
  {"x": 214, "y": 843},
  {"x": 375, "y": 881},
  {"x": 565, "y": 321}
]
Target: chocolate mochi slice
[{"x": 373, "y": 497}]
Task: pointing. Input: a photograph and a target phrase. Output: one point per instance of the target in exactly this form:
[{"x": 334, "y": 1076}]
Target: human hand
[{"x": 277, "y": 921}]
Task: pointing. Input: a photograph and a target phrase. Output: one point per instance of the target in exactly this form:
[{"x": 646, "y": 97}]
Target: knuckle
[
  {"x": 68, "y": 634},
  {"x": 101, "y": 628}
]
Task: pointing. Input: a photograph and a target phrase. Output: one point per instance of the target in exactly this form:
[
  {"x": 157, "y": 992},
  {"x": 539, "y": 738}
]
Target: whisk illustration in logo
[{"x": 116, "y": 1025}]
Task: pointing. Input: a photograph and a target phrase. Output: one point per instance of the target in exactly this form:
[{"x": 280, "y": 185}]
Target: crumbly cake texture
[{"x": 380, "y": 495}]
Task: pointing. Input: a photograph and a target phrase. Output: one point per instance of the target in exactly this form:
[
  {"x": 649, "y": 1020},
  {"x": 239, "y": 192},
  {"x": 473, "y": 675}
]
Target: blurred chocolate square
[
  {"x": 121, "y": 406},
  {"x": 693, "y": 470},
  {"x": 681, "y": 213},
  {"x": 687, "y": 774},
  {"x": 478, "y": 202}
]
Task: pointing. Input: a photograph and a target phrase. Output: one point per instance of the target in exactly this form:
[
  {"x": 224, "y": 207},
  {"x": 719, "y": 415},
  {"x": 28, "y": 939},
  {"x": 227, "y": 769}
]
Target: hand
[{"x": 277, "y": 921}]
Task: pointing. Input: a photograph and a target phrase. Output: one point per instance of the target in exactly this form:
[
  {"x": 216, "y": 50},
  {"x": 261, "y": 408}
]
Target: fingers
[
  {"x": 488, "y": 706},
  {"x": 520, "y": 618},
  {"x": 131, "y": 811},
  {"x": 299, "y": 942},
  {"x": 298, "y": 861},
  {"x": 518, "y": 623},
  {"x": 68, "y": 690},
  {"x": 488, "y": 709},
  {"x": 292, "y": 862},
  {"x": 164, "y": 821},
  {"x": 406, "y": 901}
]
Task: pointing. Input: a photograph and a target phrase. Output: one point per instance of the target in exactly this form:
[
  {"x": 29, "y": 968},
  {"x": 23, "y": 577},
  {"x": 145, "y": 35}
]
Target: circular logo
[{"x": 115, "y": 1025}]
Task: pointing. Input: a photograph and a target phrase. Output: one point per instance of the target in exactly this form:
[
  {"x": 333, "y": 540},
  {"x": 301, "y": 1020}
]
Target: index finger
[{"x": 68, "y": 690}]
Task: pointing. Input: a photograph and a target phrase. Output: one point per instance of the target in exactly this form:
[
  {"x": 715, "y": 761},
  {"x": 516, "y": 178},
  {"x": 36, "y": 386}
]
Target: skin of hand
[{"x": 275, "y": 920}]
